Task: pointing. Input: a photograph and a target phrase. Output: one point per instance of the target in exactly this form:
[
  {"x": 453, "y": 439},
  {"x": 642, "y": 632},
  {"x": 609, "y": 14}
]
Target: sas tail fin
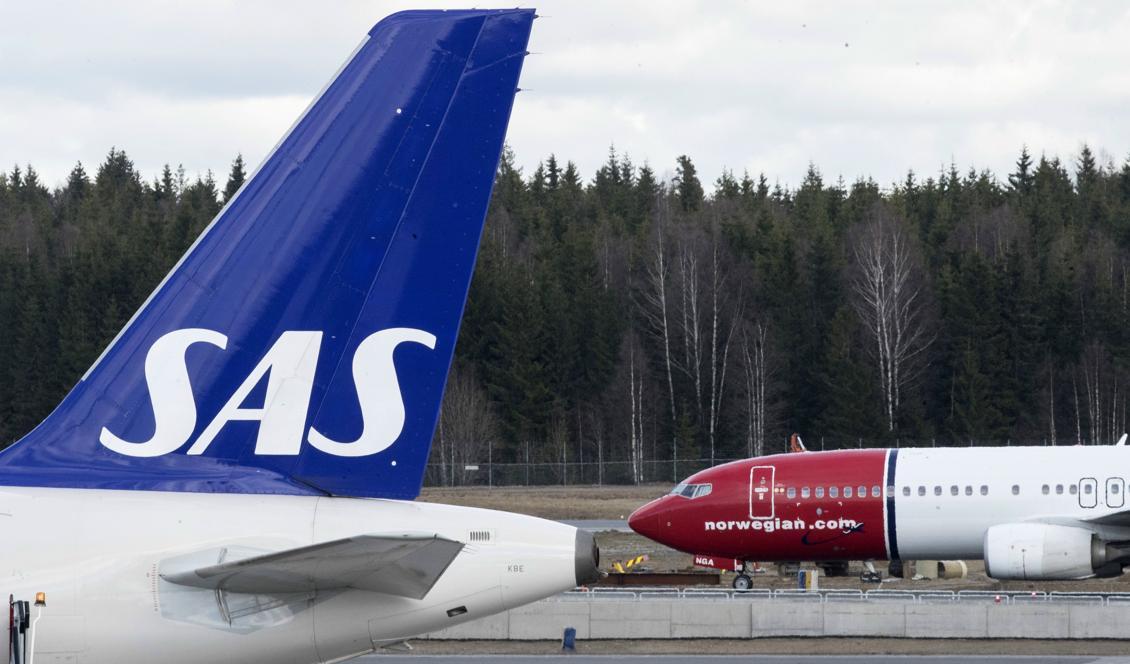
[{"x": 302, "y": 344}]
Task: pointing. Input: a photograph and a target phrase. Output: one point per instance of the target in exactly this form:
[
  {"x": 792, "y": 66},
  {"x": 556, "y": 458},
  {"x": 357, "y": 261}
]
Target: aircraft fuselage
[
  {"x": 911, "y": 503},
  {"x": 100, "y": 555}
]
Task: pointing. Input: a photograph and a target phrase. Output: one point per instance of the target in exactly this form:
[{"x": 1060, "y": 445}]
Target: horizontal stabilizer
[{"x": 406, "y": 565}]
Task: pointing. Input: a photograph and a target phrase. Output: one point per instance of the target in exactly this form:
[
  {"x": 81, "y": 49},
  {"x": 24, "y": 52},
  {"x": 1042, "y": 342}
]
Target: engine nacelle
[{"x": 1045, "y": 551}]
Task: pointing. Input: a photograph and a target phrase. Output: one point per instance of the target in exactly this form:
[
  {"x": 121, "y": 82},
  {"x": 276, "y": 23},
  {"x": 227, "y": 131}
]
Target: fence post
[{"x": 490, "y": 462}]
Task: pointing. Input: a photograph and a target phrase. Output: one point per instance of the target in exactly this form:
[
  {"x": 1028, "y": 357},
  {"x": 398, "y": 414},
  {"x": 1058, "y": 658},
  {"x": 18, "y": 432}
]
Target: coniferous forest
[{"x": 618, "y": 317}]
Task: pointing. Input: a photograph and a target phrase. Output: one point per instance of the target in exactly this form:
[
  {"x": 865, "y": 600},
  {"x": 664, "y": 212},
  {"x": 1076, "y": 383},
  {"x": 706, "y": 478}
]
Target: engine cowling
[{"x": 1045, "y": 551}]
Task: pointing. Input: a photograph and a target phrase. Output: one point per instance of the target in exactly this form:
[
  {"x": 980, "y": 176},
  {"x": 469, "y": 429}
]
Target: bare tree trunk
[
  {"x": 443, "y": 452},
  {"x": 467, "y": 423},
  {"x": 639, "y": 411},
  {"x": 887, "y": 301},
  {"x": 753, "y": 365},
  {"x": 656, "y": 312},
  {"x": 635, "y": 441},
  {"x": 1078, "y": 423},
  {"x": 692, "y": 324},
  {"x": 750, "y": 393},
  {"x": 760, "y": 375},
  {"x": 1051, "y": 400},
  {"x": 715, "y": 388}
]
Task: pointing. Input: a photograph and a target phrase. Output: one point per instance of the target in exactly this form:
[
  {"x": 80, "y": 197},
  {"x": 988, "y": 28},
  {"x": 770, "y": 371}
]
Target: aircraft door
[
  {"x": 761, "y": 492},
  {"x": 1115, "y": 492},
  {"x": 1088, "y": 492}
]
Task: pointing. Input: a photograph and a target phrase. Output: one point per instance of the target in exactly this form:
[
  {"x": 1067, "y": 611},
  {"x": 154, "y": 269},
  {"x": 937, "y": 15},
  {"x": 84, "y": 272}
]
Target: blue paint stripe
[{"x": 892, "y": 539}]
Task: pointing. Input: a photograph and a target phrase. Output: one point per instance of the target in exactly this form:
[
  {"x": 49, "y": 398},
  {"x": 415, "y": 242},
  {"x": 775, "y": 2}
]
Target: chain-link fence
[
  {"x": 661, "y": 470},
  {"x": 587, "y": 473}
]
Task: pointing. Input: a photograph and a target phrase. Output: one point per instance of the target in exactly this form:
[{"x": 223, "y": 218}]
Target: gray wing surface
[{"x": 406, "y": 565}]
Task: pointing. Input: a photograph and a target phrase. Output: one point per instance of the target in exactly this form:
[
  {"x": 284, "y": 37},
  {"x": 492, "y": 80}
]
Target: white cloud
[{"x": 859, "y": 88}]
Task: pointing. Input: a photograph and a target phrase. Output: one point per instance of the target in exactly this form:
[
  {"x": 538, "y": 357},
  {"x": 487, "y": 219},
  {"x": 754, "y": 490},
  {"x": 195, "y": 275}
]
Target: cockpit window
[{"x": 692, "y": 490}]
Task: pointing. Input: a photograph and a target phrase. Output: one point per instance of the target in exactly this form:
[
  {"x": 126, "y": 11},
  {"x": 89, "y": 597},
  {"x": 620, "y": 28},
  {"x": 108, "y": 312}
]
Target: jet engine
[{"x": 1047, "y": 551}]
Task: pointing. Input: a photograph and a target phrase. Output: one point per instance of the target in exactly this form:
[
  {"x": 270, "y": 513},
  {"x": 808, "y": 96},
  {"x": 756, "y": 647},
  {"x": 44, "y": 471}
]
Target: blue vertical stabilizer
[{"x": 302, "y": 344}]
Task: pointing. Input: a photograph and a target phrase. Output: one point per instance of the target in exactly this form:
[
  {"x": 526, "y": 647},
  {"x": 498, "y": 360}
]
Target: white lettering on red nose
[{"x": 772, "y": 525}]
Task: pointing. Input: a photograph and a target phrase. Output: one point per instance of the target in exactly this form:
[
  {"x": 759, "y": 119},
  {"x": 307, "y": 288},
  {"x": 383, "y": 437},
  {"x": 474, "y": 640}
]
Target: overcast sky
[{"x": 858, "y": 88}]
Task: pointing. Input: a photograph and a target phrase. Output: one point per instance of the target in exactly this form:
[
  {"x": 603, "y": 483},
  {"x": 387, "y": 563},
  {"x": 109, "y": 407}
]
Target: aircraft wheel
[{"x": 742, "y": 582}]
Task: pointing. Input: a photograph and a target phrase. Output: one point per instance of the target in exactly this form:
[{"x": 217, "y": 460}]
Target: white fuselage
[
  {"x": 947, "y": 498},
  {"x": 98, "y": 556}
]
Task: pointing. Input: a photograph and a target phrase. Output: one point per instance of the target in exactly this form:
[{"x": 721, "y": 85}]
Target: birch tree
[
  {"x": 466, "y": 425},
  {"x": 719, "y": 347},
  {"x": 755, "y": 370},
  {"x": 655, "y": 311},
  {"x": 888, "y": 298}
]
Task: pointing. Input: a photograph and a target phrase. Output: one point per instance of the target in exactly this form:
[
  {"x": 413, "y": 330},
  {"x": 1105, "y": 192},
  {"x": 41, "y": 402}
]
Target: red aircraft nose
[{"x": 645, "y": 520}]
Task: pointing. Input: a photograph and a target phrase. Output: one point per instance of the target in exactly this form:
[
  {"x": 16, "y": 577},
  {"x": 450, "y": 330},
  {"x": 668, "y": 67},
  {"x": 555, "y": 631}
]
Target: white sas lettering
[
  {"x": 174, "y": 409},
  {"x": 382, "y": 407},
  {"x": 289, "y": 365}
]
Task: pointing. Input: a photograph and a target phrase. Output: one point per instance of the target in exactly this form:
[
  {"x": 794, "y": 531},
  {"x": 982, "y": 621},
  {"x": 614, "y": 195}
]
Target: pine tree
[
  {"x": 235, "y": 179},
  {"x": 688, "y": 190}
]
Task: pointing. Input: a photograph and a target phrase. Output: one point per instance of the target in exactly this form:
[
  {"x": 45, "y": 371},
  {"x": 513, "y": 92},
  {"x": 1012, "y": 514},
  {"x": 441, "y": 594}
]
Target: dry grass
[{"x": 552, "y": 502}]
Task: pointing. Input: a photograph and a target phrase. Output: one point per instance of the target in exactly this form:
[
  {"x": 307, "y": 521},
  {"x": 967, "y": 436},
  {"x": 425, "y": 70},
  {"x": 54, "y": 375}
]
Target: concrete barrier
[
  {"x": 864, "y": 619},
  {"x": 957, "y": 621},
  {"x": 650, "y": 619},
  {"x": 675, "y": 618},
  {"x": 1029, "y": 621},
  {"x": 712, "y": 620},
  {"x": 1100, "y": 622},
  {"x": 786, "y": 619}
]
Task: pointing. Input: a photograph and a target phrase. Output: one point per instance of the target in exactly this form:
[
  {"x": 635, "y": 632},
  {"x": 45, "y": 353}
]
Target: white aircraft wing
[
  {"x": 1112, "y": 519},
  {"x": 406, "y": 565}
]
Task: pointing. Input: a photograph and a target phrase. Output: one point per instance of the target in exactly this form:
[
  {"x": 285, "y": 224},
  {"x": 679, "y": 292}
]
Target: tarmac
[{"x": 401, "y": 658}]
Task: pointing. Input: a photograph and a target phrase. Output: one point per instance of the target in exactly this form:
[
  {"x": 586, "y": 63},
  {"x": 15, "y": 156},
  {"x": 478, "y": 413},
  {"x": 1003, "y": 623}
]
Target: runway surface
[
  {"x": 600, "y": 525},
  {"x": 746, "y": 659}
]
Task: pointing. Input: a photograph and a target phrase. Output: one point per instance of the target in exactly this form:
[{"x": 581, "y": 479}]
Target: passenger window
[
  {"x": 921, "y": 490},
  {"x": 1045, "y": 489},
  {"x": 1016, "y": 489},
  {"x": 862, "y": 493},
  {"x": 1087, "y": 489},
  {"x": 791, "y": 493},
  {"x": 875, "y": 491},
  {"x": 937, "y": 490},
  {"x": 819, "y": 492},
  {"x": 804, "y": 492},
  {"x": 847, "y": 492},
  {"x": 984, "y": 489},
  {"x": 968, "y": 490},
  {"x": 953, "y": 489},
  {"x": 891, "y": 491},
  {"x": 1059, "y": 489},
  {"x": 1115, "y": 487},
  {"x": 833, "y": 492},
  {"x": 1073, "y": 489},
  {"x": 906, "y": 491}
]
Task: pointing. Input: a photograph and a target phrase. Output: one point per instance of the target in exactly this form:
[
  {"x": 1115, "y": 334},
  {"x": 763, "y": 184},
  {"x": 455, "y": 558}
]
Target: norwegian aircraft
[
  {"x": 1029, "y": 512},
  {"x": 232, "y": 480}
]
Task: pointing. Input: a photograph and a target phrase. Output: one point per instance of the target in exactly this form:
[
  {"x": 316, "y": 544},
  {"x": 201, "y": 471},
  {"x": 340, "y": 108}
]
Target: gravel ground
[{"x": 552, "y": 502}]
